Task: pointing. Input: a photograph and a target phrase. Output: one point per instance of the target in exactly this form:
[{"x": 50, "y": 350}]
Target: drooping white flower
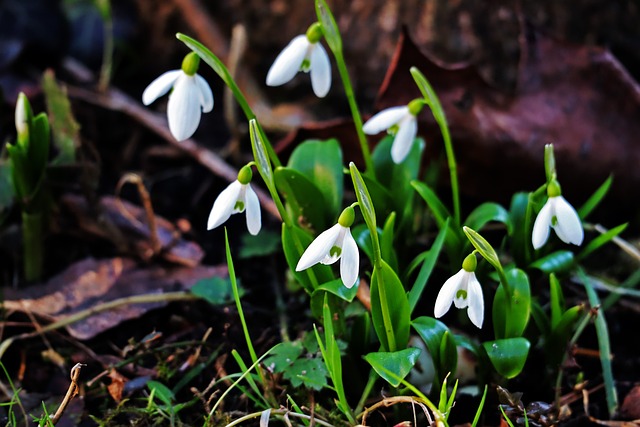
[
  {"x": 400, "y": 120},
  {"x": 558, "y": 214},
  {"x": 303, "y": 53},
  {"x": 190, "y": 97},
  {"x": 236, "y": 198},
  {"x": 464, "y": 290},
  {"x": 332, "y": 245}
]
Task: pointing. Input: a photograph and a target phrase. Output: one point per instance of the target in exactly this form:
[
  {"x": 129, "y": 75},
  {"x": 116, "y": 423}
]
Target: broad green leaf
[
  {"x": 337, "y": 288},
  {"x": 508, "y": 356},
  {"x": 386, "y": 242},
  {"x": 321, "y": 162},
  {"x": 310, "y": 372},
  {"x": 389, "y": 308},
  {"x": 555, "y": 262},
  {"x": 162, "y": 392},
  {"x": 510, "y": 318},
  {"x": 215, "y": 290},
  {"x": 283, "y": 355},
  {"x": 293, "y": 247},
  {"x": 600, "y": 241},
  {"x": 329, "y": 27},
  {"x": 440, "y": 212},
  {"x": 486, "y": 213},
  {"x": 64, "y": 126},
  {"x": 397, "y": 178},
  {"x": 433, "y": 333},
  {"x": 427, "y": 268},
  {"x": 267, "y": 243},
  {"x": 558, "y": 339},
  {"x": 520, "y": 231},
  {"x": 595, "y": 198},
  {"x": 39, "y": 146},
  {"x": 393, "y": 367},
  {"x": 556, "y": 300},
  {"x": 303, "y": 197},
  {"x": 7, "y": 193}
]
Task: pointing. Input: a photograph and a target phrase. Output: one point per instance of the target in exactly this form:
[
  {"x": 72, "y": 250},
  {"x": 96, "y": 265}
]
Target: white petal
[
  {"x": 385, "y": 119},
  {"x": 254, "y": 221},
  {"x": 476, "y": 301},
  {"x": 447, "y": 293},
  {"x": 461, "y": 299},
  {"x": 223, "y": 206},
  {"x": 541, "y": 226},
  {"x": 404, "y": 139},
  {"x": 288, "y": 62},
  {"x": 569, "y": 227},
  {"x": 206, "y": 96},
  {"x": 350, "y": 262},
  {"x": 319, "y": 248},
  {"x": 184, "y": 108},
  {"x": 320, "y": 71},
  {"x": 159, "y": 86}
]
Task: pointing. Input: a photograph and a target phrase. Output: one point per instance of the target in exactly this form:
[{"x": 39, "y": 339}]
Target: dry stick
[
  {"x": 135, "y": 179},
  {"x": 238, "y": 47},
  {"x": 117, "y": 100},
  {"x": 99, "y": 308},
  {"x": 71, "y": 393},
  {"x": 389, "y": 401}
]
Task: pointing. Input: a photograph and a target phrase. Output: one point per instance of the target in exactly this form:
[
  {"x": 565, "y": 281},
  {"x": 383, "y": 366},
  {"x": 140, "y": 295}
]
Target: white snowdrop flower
[
  {"x": 401, "y": 121},
  {"x": 558, "y": 214},
  {"x": 236, "y": 198},
  {"x": 190, "y": 97},
  {"x": 464, "y": 290},
  {"x": 334, "y": 244},
  {"x": 303, "y": 53}
]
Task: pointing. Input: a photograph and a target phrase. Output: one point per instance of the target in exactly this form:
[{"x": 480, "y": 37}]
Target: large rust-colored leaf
[
  {"x": 580, "y": 98},
  {"x": 90, "y": 282}
]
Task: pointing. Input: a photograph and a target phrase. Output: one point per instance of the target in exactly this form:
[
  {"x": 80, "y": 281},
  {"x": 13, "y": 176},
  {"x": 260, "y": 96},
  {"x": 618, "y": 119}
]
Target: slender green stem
[
  {"x": 581, "y": 325},
  {"x": 355, "y": 112},
  {"x": 32, "y": 232},
  {"x": 366, "y": 391},
  {"x": 453, "y": 166}
]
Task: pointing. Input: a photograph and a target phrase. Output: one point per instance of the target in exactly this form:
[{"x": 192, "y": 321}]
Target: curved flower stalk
[
  {"x": 464, "y": 290},
  {"x": 558, "y": 214},
  {"x": 190, "y": 97},
  {"x": 236, "y": 198},
  {"x": 303, "y": 53},
  {"x": 402, "y": 122},
  {"x": 335, "y": 244}
]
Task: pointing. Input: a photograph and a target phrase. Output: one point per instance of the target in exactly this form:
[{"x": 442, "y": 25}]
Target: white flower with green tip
[
  {"x": 190, "y": 97},
  {"x": 558, "y": 214},
  {"x": 401, "y": 121},
  {"x": 303, "y": 53},
  {"x": 463, "y": 290},
  {"x": 236, "y": 198},
  {"x": 335, "y": 244}
]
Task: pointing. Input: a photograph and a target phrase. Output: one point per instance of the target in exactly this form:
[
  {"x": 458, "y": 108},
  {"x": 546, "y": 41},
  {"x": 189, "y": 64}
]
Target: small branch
[{"x": 71, "y": 393}]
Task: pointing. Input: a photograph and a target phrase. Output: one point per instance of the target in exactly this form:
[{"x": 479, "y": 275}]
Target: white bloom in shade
[
  {"x": 464, "y": 290},
  {"x": 400, "y": 120},
  {"x": 303, "y": 53},
  {"x": 190, "y": 97},
  {"x": 334, "y": 244},
  {"x": 236, "y": 198},
  {"x": 558, "y": 214}
]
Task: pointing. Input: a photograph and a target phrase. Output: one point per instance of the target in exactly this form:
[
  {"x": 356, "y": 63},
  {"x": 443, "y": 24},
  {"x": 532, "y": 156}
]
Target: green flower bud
[
  {"x": 314, "y": 32},
  {"x": 23, "y": 116},
  {"x": 347, "y": 217},
  {"x": 245, "y": 175},
  {"x": 190, "y": 64},
  {"x": 470, "y": 262},
  {"x": 553, "y": 189},
  {"x": 416, "y": 106}
]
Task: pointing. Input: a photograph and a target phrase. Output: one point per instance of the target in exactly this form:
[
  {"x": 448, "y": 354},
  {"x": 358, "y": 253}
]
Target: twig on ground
[{"x": 71, "y": 393}]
